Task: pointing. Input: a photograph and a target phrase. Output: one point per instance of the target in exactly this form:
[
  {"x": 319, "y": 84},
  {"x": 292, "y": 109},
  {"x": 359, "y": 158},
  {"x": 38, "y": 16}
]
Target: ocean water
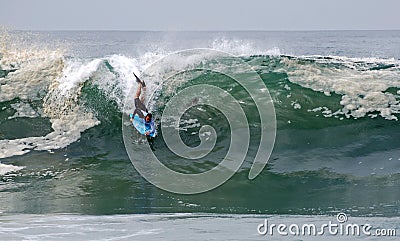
[{"x": 62, "y": 153}]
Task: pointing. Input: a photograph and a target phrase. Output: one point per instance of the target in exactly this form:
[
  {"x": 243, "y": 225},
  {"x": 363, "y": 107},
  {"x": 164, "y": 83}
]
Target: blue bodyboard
[{"x": 139, "y": 125}]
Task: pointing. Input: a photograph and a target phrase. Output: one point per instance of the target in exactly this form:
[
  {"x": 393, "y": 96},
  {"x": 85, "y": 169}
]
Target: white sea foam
[
  {"x": 117, "y": 87},
  {"x": 76, "y": 73},
  {"x": 241, "y": 47},
  {"x": 295, "y": 105},
  {"x": 23, "y": 110},
  {"x": 363, "y": 91},
  {"x": 45, "y": 75},
  {"x": 4, "y": 169}
]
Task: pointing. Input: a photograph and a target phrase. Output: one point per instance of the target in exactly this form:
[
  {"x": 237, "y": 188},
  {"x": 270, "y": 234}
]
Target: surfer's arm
[{"x": 152, "y": 129}]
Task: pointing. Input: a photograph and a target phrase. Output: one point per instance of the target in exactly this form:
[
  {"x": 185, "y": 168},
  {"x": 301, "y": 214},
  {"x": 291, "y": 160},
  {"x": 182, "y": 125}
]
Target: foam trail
[
  {"x": 363, "y": 90},
  {"x": 4, "y": 169}
]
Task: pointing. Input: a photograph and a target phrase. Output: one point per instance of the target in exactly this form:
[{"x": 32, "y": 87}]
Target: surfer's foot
[{"x": 139, "y": 81}]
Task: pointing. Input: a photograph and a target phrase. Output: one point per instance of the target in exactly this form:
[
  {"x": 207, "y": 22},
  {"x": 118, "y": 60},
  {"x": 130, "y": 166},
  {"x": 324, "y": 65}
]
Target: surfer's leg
[
  {"x": 139, "y": 102},
  {"x": 140, "y": 86},
  {"x": 139, "y": 105},
  {"x": 138, "y": 91},
  {"x": 139, "y": 113},
  {"x": 143, "y": 95}
]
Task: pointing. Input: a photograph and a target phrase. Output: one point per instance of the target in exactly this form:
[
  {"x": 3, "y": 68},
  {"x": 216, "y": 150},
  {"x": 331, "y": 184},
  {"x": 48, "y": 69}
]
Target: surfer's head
[{"x": 148, "y": 117}]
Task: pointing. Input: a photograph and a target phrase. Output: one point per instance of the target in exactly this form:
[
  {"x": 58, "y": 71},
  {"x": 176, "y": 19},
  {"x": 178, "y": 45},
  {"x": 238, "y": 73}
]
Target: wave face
[{"x": 337, "y": 125}]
